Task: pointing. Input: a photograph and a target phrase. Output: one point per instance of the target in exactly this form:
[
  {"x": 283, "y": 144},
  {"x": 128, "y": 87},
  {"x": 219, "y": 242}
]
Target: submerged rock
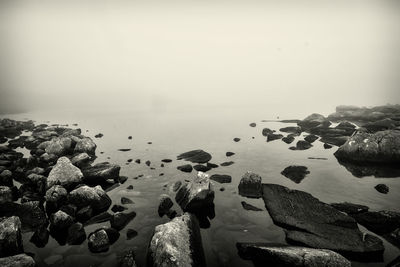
[
  {"x": 301, "y": 145},
  {"x": 382, "y": 188},
  {"x": 265, "y": 254},
  {"x": 128, "y": 259},
  {"x": 40, "y": 237},
  {"x": 221, "y": 178},
  {"x": 273, "y": 136},
  {"x": 195, "y": 156},
  {"x": 236, "y": 139},
  {"x": 295, "y": 173},
  {"x": 250, "y": 185},
  {"x": 380, "y": 222},
  {"x": 227, "y": 163},
  {"x": 10, "y": 236},
  {"x": 291, "y": 129},
  {"x": 76, "y": 234},
  {"x": 101, "y": 172},
  {"x": 314, "y": 120},
  {"x": 64, "y": 174},
  {"x": 318, "y": 225},
  {"x": 228, "y": 154},
  {"x": 253, "y": 124},
  {"x": 20, "y": 260},
  {"x": 177, "y": 243}
]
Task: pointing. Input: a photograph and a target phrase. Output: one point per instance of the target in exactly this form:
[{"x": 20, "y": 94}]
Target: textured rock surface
[
  {"x": 295, "y": 173},
  {"x": 5, "y": 195},
  {"x": 195, "y": 156},
  {"x": 221, "y": 178},
  {"x": 20, "y": 260},
  {"x": 85, "y": 145},
  {"x": 250, "y": 185},
  {"x": 281, "y": 255},
  {"x": 96, "y": 197},
  {"x": 101, "y": 172},
  {"x": 177, "y": 243},
  {"x": 98, "y": 241},
  {"x": 350, "y": 208},
  {"x": 64, "y": 173},
  {"x": 10, "y": 236}
]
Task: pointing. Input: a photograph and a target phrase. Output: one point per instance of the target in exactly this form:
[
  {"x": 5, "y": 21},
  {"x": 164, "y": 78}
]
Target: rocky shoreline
[{"x": 58, "y": 190}]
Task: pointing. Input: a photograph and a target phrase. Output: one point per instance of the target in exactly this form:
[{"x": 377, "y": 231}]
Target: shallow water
[{"x": 213, "y": 130}]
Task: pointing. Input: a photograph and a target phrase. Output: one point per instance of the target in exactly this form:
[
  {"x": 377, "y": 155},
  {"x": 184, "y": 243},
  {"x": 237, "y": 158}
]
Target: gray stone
[
  {"x": 250, "y": 185},
  {"x": 120, "y": 219},
  {"x": 96, "y": 197},
  {"x": 20, "y": 260},
  {"x": 98, "y": 241},
  {"x": 165, "y": 205},
  {"x": 10, "y": 236},
  {"x": 55, "y": 198},
  {"x": 101, "y": 172},
  {"x": 5, "y": 195},
  {"x": 65, "y": 174},
  {"x": 81, "y": 159},
  {"x": 85, "y": 145},
  {"x": 60, "y": 221}
]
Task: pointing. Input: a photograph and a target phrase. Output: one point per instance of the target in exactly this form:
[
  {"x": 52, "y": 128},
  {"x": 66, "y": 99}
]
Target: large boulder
[
  {"x": 10, "y": 236},
  {"x": 283, "y": 255},
  {"x": 196, "y": 194},
  {"x": 81, "y": 160},
  {"x": 85, "y": 145},
  {"x": 55, "y": 198},
  {"x": 85, "y": 195},
  {"x": 101, "y": 172},
  {"x": 59, "y": 146},
  {"x": 380, "y": 222},
  {"x": 98, "y": 241},
  {"x": 60, "y": 221},
  {"x": 315, "y": 224},
  {"x": 250, "y": 185},
  {"x": 195, "y": 156},
  {"x": 380, "y": 147},
  {"x": 177, "y": 243},
  {"x": 64, "y": 173},
  {"x": 314, "y": 120},
  {"x": 20, "y": 260}
]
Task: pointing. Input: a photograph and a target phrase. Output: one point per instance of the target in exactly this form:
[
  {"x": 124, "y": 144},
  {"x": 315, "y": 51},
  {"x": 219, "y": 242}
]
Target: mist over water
[{"x": 283, "y": 58}]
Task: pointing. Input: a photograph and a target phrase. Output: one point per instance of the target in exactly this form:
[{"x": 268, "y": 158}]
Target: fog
[{"x": 260, "y": 54}]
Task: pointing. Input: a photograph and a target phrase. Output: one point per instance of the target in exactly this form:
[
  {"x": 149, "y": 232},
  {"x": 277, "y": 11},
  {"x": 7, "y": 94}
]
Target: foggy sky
[{"x": 300, "y": 54}]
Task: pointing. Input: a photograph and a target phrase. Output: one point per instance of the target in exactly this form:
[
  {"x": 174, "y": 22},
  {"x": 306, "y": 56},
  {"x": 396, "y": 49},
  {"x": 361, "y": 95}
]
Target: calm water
[{"x": 174, "y": 132}]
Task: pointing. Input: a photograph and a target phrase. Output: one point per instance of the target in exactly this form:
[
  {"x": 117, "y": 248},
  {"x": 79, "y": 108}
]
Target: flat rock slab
[
  {"x": 221, "y": 178},
  {"x": 177, "y": 243},
  {"x": 195, "y": 156},
  {"x": 281, "y": 255},
  {"x": 315, "y": 224}
]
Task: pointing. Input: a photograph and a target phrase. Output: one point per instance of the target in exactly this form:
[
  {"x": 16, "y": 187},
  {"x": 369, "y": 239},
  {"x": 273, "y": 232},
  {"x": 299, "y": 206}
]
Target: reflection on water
[
  {"x": 376, "y": 170},
  {"x": 227, "y": 222}
]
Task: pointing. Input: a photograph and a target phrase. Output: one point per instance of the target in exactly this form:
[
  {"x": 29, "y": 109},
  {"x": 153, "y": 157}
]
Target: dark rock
[
  {"x": 119, "y": 220},
  {"x": 250, "y": 185},
  {"x": 129, "y": 160},
  {"x": 55, "y": 197},
  {"x": 382, "y": 188},
  {"x": 98, "y": 241},
  {"x": 222, "y": 189},
  {"x": 314, "y": 120},
  {"x": 381, "y": 125},
  {"x": 334, "y": 140},
  {"x": 81, "y": 160},
  {"x": 212, "y": 165},
  {"x": 291, "y": 129},
  {"x": 10, "y": 236},
  {"x": 6, "y": 178},
  {"x": 267, "y": 254},
  {"x": 99, "y": 135},
  {"x": 196, "y": 194},
  {"x": 302, "y": 145},
  {"x": 102, "y": 217},
  {"x": 128, "y": 259},
  {"x": 273, "y": 137},
  {"x": 316, "y": 224},
  {"x": 227, "y": 163},
  {"x": 118, "y": 208},
  {"x": 122, "y": 179},
  {"x": 64, "y": 174},
  {"x": 96, "y": 197},
  {"x": 101, "y": 172},
  {"x": 236, "y": 139},
  {"x": 267, "y": 131},
  {"x": 352, "y": 113},
  {"x": 394, "y": 263},
  {"x": 361, "y": 169},
  {"x": 20, "y": 260},
  {"x": 60, "y": 221},
  {"x": 195, "y": 156},
  {"x": 69, "y": 209},
  {"x": 131, "y": 234},
  {"x": 84, "y": 214},
  {"x": 201, "y": 168},
  {"x": 228, "y": 154},
  {"x": 248, "y": 206},
  {"x": 59, "y": 146},
  {"x": 6, "y": 195},
  {"x": 253, "y": 124},
  {"x": 288, "y": 139},
  {"x": 345, "y": 125},
  {"x": 76, "y": 234},
  {"x": 30, "y": 213},
  {"x": 295, "y": 173},
  {"x": 177, "y": 243},
  {"x": 40, "y": 237},
  {"x": 129, "y": 187},
  {"x": 221, "y": 178},
  {"x": 311, "y": 138},
  {"x": 167, "y": 160},
  {"x": 185, "y": 168},
  {"x": 380, "y": 222},
  {"x": 137, "y": 161},
  {"x": 125, "y": 200},
  {"x": 165, "y": 205},
  {"x": 350, "y": 208},
  {"x": 327, "y": 146},
  {"x": 85, "y": 145},
  {"x": 148, "y": 162}
]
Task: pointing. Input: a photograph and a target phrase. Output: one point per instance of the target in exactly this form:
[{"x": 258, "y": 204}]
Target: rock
[
  {"x": 6, "y": 195},
  {"x": 177, "y": 243},
  {"x": 59, "y": 146},
  {"x": 137, "y": 161},
  {"x": 327, "y": 146},
  {"x": 60, "y": 221},
  {"x": 131, "y": 234},
  {"x": 96, "y": 197},
  {"x": 69, "y": 209},
  {"x": 102, "y": 217},
  {"x": 380, "y": 222},
  {"x": 302, "y": 145},
  {"x": 295, "y": 173},
  {"x": 267, "y": 131},
  {"x": 130, "y": 137},
  {"x": 55, "y": 197},
  {"x": 118, "y": 208},
  {"x": 380, "y": 147},
  {"x": 195, "y": 156},
  {"x": 85, "y": 145},
  {"x": 101, "y": 172},
  {"x": 30, "y": 213},
  {"x": 122, "y": 179},
  {"x": 382, "y": 188},
  {"x": 20, "y": 260},
  {"x": 288, "y": 139},
  {"x": 253, "y": 124},
  {"x": 185, "y": 168},
  {"x": 227, "y": 163},
  {"x": 6, "y": 178},
  {"x": 98, "y": 241},
  {"x": 128, "y": 259},
  {"x": 312, "y": 223},
  {"x": 65, "y": 174},
  {"x": 248, "y": 206},
  {"x": 291, "y": 129},
  {"x": 236, "y": 139},
  {"x": 394, "y": 263},
  {"x": 99, "y": 135},
  {"x": 166, "y": 160},
  {"x": 10, "y": 236},
  {"x": 119, "y": 220},
  {"x": 81, "y": 160},
  {"x": 36, "y": 183},
  {"x": 272, "y": 137},
  {"x": 350, "y": 208},
  {"x": 201, "y": 168},
  {"x": 283, "y": 255},
  {"x": 148, "y": 162},
  {"x": 362, "y": 169},
  {"x": 124, "y": 149},
  {"x": 228, "y": 154},
  {"x": 40, "y": 237},
  {"x": 197, "y": 194},
  {"x": 221, "y": 178},
  {"x": 345, "y": 125},
  {"x": 311, "y": 138},
  {"x": 314, "y": 120},
  {"x": 212, "y": 165},
  {"x": 381, "y": 125},
  {"x": 84, "y": 214},
  {"x": 333, "y": 140},
  {"x": 352, "y": 113},
  {"x": 76, "y": 234},
  {"x": 165, "y": 205},
  {"x": 176, "y": 186},
  {"x": 250, "y": 185},
  {"x": 125, "y": 200}
]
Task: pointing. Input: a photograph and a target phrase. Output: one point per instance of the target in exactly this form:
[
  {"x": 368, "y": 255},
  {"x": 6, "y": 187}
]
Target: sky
[{"x": 311, "y": 55}]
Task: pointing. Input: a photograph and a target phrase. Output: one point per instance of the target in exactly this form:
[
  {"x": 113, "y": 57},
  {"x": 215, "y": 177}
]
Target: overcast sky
[{"x": 314, "y": 54}]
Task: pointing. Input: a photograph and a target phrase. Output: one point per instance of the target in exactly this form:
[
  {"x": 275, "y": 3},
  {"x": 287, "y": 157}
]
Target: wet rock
[
  {"x": 327, "y": 146},
  {"x": 65, "y": 174},
  {"x": 282, "y": 255},
  {"x": 227, "y": 163},
  {"x": 118, "y": 208},
  {"x": 130, "y": 137},
  {"x": 30, "y": 213},
  {"x": 314, "y": 120},
  {"x": 20, "y": 260},
  {"x": 248, "y": 206},
  {"x": 148, "y": 162},
  {"x": 350, "y": 208},
  {"x": 128, "y": 259},
  {"x": 311, "y": 138},
  {"x": 60, "y": 221},
  {"x": 40, "y": 237},
  {"x": 124, "y": 149},
  {"x": 394, "y": 263},
  {"x": 81, "y": 160},
  {"x": 129, "y": 187},
  {"x": 382, "y": 188},
  {"x": 201, "y": 168},
  {"x": 69, "y": 209},
  {"x": 84, "y": 214},
  {"x": 125, "y": 200},
  {"x": 131, "y": 234},
  {"x": 10, "y": 236},
  {"x": 250, "y": 185},
  {"x": 291, "y": 129},
  {"x": 166, "y": 160},
  {"x": 295, "y": 173},
  {"x": 177, "y": 243},
  {"x": 102, "y": 217},
  {"x": 267, "y": 131},
  {"x": 185, "y": 168},
  {"x": 96, "y": 197},
  {"x": 195, "y": 156},
  {"x": 99, "y": 135},
  {"x": 36, "y": 183},
  {"x": 288, "y": 139},
  {"x": 6, "y": 178},
  {"x": 119, "y": 220},
  {"x": 381, "y": 147},
  {"x": 221, "y": 178},
  {"x": 228, "y": 154},
  {"x": 273, "y": 137},
  {"x": 212, "y": 165},
  {"x": 137, "y": 161},
  {"x": 98, "y": 241},
  {"x": 85, "y": 145},
  {"x": 301, "y": 145},
  {"x": 196, "y": 194},
  {"x": 253, "y": 124},
  {"x": 165, "y": 204},
  {"x": 6, "y": 195},
  {"x": 59, "y": 146},
  {"x": 312, "y": 223},
  {"x": 55, "y": 197},
  {"x": 236, "y": 139},
  {"x": 76, "y": 234},
  {"x": 101, "y": 172},
  {"x": 380, "y": 222}
]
